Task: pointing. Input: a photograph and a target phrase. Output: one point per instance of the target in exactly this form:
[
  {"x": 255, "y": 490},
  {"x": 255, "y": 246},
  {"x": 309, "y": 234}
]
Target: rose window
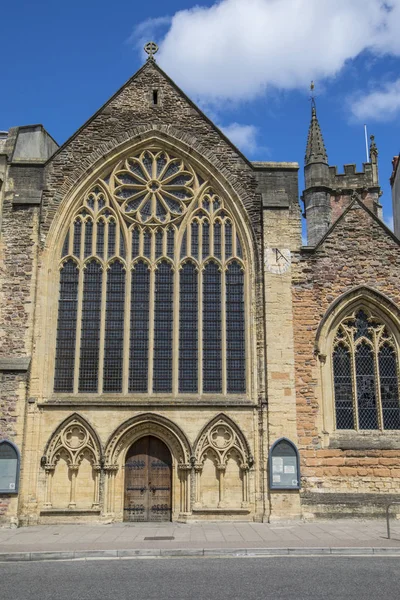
[{"x": 154, "y": 188}]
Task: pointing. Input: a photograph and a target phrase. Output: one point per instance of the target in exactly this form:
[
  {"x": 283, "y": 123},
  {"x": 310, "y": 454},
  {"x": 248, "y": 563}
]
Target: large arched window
[
  {"x": 152, "y": 286},
  {"x": 366, "y": 374}
]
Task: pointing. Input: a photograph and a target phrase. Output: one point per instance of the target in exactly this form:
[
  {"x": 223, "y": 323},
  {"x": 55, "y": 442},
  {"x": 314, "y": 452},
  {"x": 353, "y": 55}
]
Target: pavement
[{"x": 118, "y": 540}]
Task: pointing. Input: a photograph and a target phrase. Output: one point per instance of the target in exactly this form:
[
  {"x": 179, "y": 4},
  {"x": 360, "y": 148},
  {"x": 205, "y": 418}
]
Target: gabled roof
[
  {"x": 152, "y": 64},
  {"x": 342, "y": 216}
]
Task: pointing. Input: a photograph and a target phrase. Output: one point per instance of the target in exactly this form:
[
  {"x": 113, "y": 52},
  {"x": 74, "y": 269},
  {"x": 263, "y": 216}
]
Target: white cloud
[
  {"x": 243, "y": 136},
  {"x": 237, "y": 48},
  {"x": 379, "y": 105}
]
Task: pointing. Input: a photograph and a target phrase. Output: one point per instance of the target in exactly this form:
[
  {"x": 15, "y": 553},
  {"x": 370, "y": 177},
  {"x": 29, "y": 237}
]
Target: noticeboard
[
  {"x": 284, "y": 468},
  {"x": 9, "y": 467}
]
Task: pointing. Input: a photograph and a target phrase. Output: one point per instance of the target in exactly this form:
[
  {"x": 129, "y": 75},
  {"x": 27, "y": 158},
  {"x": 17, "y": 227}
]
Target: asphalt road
[{"x": 204, "y": 579}]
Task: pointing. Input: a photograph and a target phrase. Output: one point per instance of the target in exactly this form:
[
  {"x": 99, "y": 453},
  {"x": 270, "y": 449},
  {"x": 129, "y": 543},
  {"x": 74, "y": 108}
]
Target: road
[{"x": 283, "y": 578}]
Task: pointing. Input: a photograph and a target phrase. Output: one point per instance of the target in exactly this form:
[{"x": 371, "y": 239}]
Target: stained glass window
[
  {"x": 212, "y": 329},
  {"x": 114, "y": 334},
  {"x": 365, "y": 371},
  {"x": 188, "y": 329},
  {"x": 235, "y": 332},
  {"x": 128, "y": 297},
  {"x": 163, "y": 327},
  {"x": 66, "y": 328},
  {"x": 90, "y": 328},
  {"x": 139, "y": 328}
]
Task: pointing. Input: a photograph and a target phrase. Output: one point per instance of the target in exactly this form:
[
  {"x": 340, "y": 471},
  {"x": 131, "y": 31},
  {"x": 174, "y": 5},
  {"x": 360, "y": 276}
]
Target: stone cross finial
[{"x": 151, "y": 49}]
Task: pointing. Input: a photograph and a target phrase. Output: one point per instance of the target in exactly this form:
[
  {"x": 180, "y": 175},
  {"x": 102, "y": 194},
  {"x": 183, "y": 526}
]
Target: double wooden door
[{"x": 148, "y": 478}]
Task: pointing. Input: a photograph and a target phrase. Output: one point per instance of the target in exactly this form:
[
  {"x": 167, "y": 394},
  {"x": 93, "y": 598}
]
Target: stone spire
[{"x": 315, "y": 151}]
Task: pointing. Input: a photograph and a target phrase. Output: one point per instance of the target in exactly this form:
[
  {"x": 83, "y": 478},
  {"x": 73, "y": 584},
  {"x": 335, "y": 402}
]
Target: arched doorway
[{"x": 148, "y": 479}]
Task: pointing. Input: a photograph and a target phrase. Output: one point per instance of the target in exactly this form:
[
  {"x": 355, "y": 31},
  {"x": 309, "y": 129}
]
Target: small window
[
  {"x": 9, "y": 467},
  {"x": 155, "y": 97},
  {"x": 284, "y": 466}
]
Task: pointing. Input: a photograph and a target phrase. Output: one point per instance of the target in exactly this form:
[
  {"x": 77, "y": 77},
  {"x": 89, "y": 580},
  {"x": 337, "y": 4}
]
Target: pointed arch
[
  {"x": 74, "y": 436},
  {"x": 148, "y": 424},
  {"x": 224, "y": 437}
]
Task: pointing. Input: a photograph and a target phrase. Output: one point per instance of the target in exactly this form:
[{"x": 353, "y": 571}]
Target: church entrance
[{"x": 148, "y": 481}]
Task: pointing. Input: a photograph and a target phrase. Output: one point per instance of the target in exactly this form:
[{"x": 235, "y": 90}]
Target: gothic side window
[
  {"x": 366, "y": 374},
  {"x": 153, "y": 276}
]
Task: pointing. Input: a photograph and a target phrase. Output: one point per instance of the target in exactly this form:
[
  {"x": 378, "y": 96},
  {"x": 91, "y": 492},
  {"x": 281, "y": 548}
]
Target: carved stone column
[
  {"x": 96, "y": 498},
  {"x": 109, "y": 503},
  {"x": 198, "y": 467},
  {"x": 73, "y": 469},
  {"x": 221, "y": 477},
  {"x": 245, "y": 483},
  {"x": 184, "y": 479}
]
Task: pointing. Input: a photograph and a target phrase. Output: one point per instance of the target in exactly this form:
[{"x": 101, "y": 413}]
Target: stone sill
[
  {"x": 365, "y": 440},
  {"x": 147, "y": 401},
  {"x": 70, "y": 511},
  {"x": 223, "y": 511}
]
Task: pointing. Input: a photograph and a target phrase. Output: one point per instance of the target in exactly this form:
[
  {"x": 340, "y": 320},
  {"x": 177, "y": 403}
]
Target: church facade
[{"x": 170, "y": 350}]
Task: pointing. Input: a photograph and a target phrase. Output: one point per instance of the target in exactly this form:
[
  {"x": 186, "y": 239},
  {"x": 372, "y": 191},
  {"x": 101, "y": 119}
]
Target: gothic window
[
  {"x": 153, "y": 288},
  {"x": 365, "y": 371}
]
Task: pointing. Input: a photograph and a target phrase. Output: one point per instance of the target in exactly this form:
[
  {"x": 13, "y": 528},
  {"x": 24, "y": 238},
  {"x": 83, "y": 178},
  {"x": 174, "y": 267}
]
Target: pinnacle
[{"x": 315, "y": 151}]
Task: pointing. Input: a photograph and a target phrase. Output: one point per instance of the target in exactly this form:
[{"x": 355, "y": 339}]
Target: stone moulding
[{"x": 21, "y": 363}]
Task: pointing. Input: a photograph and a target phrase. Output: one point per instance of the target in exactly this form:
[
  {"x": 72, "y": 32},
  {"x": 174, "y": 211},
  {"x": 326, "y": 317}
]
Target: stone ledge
[
  {"x": 222, "y": 511},
  {"x": 27, "y": 197},
  {"x": 20, "y": 363},
  {"x": 370, "y": 440},
  {"x": 70, "y": 511}
]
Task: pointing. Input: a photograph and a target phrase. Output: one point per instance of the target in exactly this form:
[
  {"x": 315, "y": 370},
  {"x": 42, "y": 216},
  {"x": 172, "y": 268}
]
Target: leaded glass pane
[
  {"x": 90, "y": 329},
  {"x": 195, "y": 239},
  {"x": 235, "y": 330},
  {"x": 217, "y": 240},
  {"x": 88, "y": 238},
  {"x": 239, "y": 251},
  {"x": 206, "y": 239},
  {"x": 389, "y": 387},
  {"x": 100, "y": 239},
  {"x": 228, "y": 240},
  {"x": 188, "y": 329},
  {"x": 77, "y": 238},
  {"x": 183, "y": 246},
  {"x": 111, "y": 238},
  {"x": 147, "y": 243},
  {"x": 343, "y": 383},
  {"x": 212, "y": 329},
  {"x": 170, "y": 242},
  {"x": 114, "y": 335},
  {"x": 362, "y": 326},
  {"x": 159, "y": 243},
  {"x": 122, "y": 251},
  {"x": 139, "y": 327},
  {"x": 66, "y": 328},
  {"x": 366, "y": 392},
  {"x": 163, "y": 327},
  {"x": 135, "y": 242},
  {"x": 65, "y": 248}
]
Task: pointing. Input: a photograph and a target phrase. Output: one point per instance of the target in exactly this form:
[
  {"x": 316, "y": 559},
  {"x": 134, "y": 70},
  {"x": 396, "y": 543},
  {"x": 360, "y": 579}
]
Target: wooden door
[{"x": 148, "y": 478}]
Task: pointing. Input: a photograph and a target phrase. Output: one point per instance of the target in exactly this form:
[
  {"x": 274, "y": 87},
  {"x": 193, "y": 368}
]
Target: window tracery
[
  {"x": 152, "y": 267},
  {"x": 366, "y": 374}
]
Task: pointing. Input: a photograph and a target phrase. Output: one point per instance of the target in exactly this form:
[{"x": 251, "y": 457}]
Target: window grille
[
  {"x": 212, "y": 329},
  {"x": 90, "y": 328},
  {"x": 217, "y": 240},
  {"x": 365, "y": 372},
  {"x": 111, "y": 238},
  {"x": 88, "y": 238},
  {"x": 135, "y": 242},
  {"x": 139, "y": 328},
  {"x": 114, "y": 334},
  {"x": 228, "y": 240},
  {"x": 100, "y": 239},
  {"x": 168, "y": 209},
  {"x": 163, "y": 326},
  {"x": 235, "y": 329},
  {"x": 77, "y": 238},
  {"x": 66, "y": 328},
  {"x": 188, "y": 329}
]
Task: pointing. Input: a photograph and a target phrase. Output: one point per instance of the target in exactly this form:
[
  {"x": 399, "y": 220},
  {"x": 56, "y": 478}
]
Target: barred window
[
  {"x": 153, "y": 298},
  {"x": 365, "y": 372}
]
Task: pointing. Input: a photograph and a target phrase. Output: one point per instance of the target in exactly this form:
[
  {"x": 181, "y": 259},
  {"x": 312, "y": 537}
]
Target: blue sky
[{"x": 247, "y": 63}]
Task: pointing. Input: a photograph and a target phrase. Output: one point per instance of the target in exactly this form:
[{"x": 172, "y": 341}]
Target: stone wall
[{"x": 358, "y": 252}]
